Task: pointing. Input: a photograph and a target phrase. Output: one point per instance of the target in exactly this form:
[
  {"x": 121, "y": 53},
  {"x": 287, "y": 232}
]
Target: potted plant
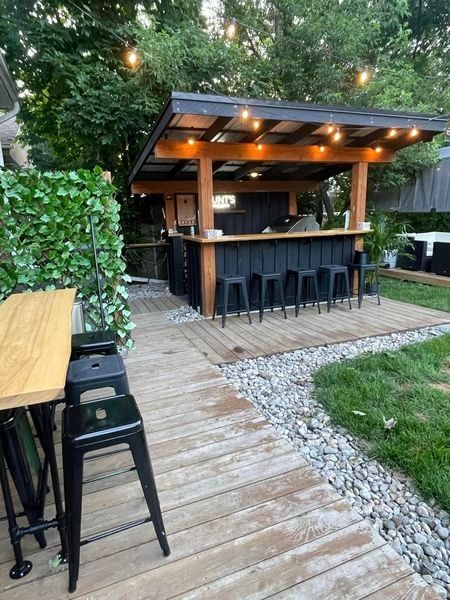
[{"x": 388, "y": 235}]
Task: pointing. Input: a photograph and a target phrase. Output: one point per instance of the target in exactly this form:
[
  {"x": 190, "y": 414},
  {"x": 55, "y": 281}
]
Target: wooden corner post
[
  {"x": 358, "y": 199},
  {"x": 206, "y": 221},
  {"x": 293, "y": 209}
]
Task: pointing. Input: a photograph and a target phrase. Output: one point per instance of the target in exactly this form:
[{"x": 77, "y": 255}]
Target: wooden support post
[
  {"x": 206, "y": 221},
  {"x": 358, "y": 199},
  {"x": 358, "y": 207},
  {"x": 293, "y": 208},
  {"x": 169, "y": 208}
]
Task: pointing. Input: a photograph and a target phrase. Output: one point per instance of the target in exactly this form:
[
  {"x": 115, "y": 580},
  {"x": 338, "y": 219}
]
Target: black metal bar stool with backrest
[
  {"x": 102, "y": 342},
  {"x": 301, "y": 277},
  {"x": 266, "y": 282},
  {"x": 333, "y": 273},
  {"x": 223, "y": 285},
  {"x": 95, "y": 373},
  {"x": 92, "y": 426}
]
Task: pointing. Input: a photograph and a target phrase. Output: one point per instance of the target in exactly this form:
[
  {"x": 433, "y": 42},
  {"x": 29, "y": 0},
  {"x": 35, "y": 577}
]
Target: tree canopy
[{"x": 83, "y": 105}]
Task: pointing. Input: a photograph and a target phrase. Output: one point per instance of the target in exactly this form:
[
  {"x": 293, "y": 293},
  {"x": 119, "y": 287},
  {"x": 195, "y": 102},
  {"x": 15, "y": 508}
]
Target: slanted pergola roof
[{"x": 208, "y": 118}]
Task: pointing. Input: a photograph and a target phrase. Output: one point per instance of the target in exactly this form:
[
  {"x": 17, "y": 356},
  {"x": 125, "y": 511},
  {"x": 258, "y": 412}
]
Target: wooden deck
[
  {"x": 247, "y": 518},
  {"x": 240, "y": 340},
  {"x": 417, "y": 277}
]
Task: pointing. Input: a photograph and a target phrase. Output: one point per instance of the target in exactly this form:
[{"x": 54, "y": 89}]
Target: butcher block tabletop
[{"x": 35, "y": 345}]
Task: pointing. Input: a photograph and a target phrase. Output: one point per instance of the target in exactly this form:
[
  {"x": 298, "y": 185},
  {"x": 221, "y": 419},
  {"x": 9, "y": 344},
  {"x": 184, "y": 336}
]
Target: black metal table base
[{"x": 43, "y": 418}]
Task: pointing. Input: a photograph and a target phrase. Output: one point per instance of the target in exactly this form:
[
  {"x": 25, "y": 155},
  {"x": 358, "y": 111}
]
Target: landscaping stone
[
  {"x": 184, "y": 314},
  {"x": 155, "y": 288},
  {"x": 281, "y": 387}
]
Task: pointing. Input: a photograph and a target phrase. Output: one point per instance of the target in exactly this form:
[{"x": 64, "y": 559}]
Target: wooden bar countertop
[
  {"x": 251, "y": 237},
  {"x": 35, "y": 346}
]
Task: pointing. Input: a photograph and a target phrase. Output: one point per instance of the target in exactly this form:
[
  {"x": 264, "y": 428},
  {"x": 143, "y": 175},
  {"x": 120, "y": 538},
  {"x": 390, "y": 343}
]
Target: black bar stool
[
  {"x": 93, "y": 342},
  {"x": 94, "y": 373},
  {"x": 301, "y": 276},
  {"x": 333, "y": 272},
  {"x": 93, "y": 426},
  {"x": 362, "y": 269},
  {"x": 266, "y": 282},
  {"x": 223, "y": 284}
]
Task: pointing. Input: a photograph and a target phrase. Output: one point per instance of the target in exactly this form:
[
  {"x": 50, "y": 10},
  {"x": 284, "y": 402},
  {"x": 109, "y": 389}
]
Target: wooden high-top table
[{"x": 35, "y": 346}]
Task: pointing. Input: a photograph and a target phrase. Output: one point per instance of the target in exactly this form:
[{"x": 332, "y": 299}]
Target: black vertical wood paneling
[
  {"x": 261, "y": 209},
  {"x": 245, "y": 258}
]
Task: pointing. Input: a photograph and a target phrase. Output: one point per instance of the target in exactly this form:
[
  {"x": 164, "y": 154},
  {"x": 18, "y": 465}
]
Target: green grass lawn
[
  {"x": 430, "y": 296},
  {"x": 411, "y": 385}
]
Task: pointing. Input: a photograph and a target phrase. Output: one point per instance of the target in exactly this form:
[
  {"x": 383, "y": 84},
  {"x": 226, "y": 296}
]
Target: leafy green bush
[{"x": 45, "y": 240}]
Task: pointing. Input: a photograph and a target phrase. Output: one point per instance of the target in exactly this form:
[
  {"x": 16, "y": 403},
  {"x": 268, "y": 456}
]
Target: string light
[
  {"x": 231, "y": 29},
  {"x": 378, "y": 149},
  {"x": 245, "y": 113},
  {"x": 259, "y": 146},
  {"x": 321, "y": 148},
  {"x": 132, "y": 57},
  {"x": 256, "y": 125},
  {"x": 414, "y": 132},
  {"x": 330, "y": 128},
  {"x": 254, "y": 174},
  {"x": 337, "y": 136},
  {"x": 363, "y": 77},
  {"x": 392, "y": 132},
  {"x": 191, "y": 141}
]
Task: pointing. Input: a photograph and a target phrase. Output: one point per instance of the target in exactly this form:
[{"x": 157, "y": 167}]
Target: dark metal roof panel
[{"x": 224, "y": 108}]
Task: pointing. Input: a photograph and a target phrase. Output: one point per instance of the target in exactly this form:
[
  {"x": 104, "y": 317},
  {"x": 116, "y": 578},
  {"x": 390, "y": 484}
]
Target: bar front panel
[{"x": 245, "y": 258}]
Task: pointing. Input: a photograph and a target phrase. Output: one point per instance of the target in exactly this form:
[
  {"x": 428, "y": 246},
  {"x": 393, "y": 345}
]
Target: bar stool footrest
[
  {"x": 109, "y": 474},
  {"x": 118, "y": 529}
]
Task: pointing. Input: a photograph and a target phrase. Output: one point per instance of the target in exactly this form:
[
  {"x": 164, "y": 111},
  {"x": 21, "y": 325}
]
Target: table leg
[
  {"x": 16, "y": 457},
  {"x": 43, "y": 417},
  {"x": 22, "y": 567},
  {"x": 47, "y": 411}
]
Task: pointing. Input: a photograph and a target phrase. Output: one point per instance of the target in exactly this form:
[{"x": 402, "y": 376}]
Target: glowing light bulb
[
  {"x": 254, "y": 174},
  {"x": 132, "y": 58},
  {"x": 191, "y": 141},
  {"x": 363, "y": 77},
  {"x": 337, "y": 136},
  {"x": 414, "y": 132},
  {"x": 330, "y": 128},
  {"x": 322, "y": 148},
  {"x": 378, "y": 149},
  {"x": 259, "y": 146},
  {"x": 256, "y": 125},
  {"x": 392, "y": 132},
  {"x": 245, "y": 114},
  {"x": 231, "y": 29}
]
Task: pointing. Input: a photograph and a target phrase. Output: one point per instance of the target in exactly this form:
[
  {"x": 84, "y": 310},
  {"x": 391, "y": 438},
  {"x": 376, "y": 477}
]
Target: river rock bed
[
  {"x": 184, "y": 314},
  {"x": 154, "y": 288},
  {"x": 281, "y": 387}
]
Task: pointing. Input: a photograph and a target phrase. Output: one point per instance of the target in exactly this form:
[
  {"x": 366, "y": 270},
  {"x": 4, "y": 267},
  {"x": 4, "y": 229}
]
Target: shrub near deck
[{"x": 412, "y": 386}]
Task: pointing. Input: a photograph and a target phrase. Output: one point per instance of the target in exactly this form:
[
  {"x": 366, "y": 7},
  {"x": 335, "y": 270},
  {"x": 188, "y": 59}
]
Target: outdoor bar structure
[{"x": 237, "y": 164}]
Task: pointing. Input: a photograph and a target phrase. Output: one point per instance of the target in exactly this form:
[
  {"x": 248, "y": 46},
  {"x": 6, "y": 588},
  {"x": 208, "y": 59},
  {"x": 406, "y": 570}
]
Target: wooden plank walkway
[
  {"x": 417, "y": 277},
  {"x": 247, "y": 517},
  {"x": 239, "y": 339}
]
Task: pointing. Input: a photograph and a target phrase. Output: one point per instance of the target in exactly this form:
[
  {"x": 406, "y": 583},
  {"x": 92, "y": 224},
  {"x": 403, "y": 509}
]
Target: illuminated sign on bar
[{"x": 224, "y": 201}]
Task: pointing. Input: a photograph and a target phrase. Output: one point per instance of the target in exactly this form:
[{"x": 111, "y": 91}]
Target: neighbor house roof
[
  {"x": 9, "y": 98},
  {"x": 210, "y": 118}
]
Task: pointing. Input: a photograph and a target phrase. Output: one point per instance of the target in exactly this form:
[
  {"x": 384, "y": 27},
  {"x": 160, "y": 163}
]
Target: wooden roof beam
[
  {"x": 303, "y": 131},
  {"x": 269, "y": 152},
  {"x": 221, "y": 186},
  {"x": 215, "y": 128}
]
